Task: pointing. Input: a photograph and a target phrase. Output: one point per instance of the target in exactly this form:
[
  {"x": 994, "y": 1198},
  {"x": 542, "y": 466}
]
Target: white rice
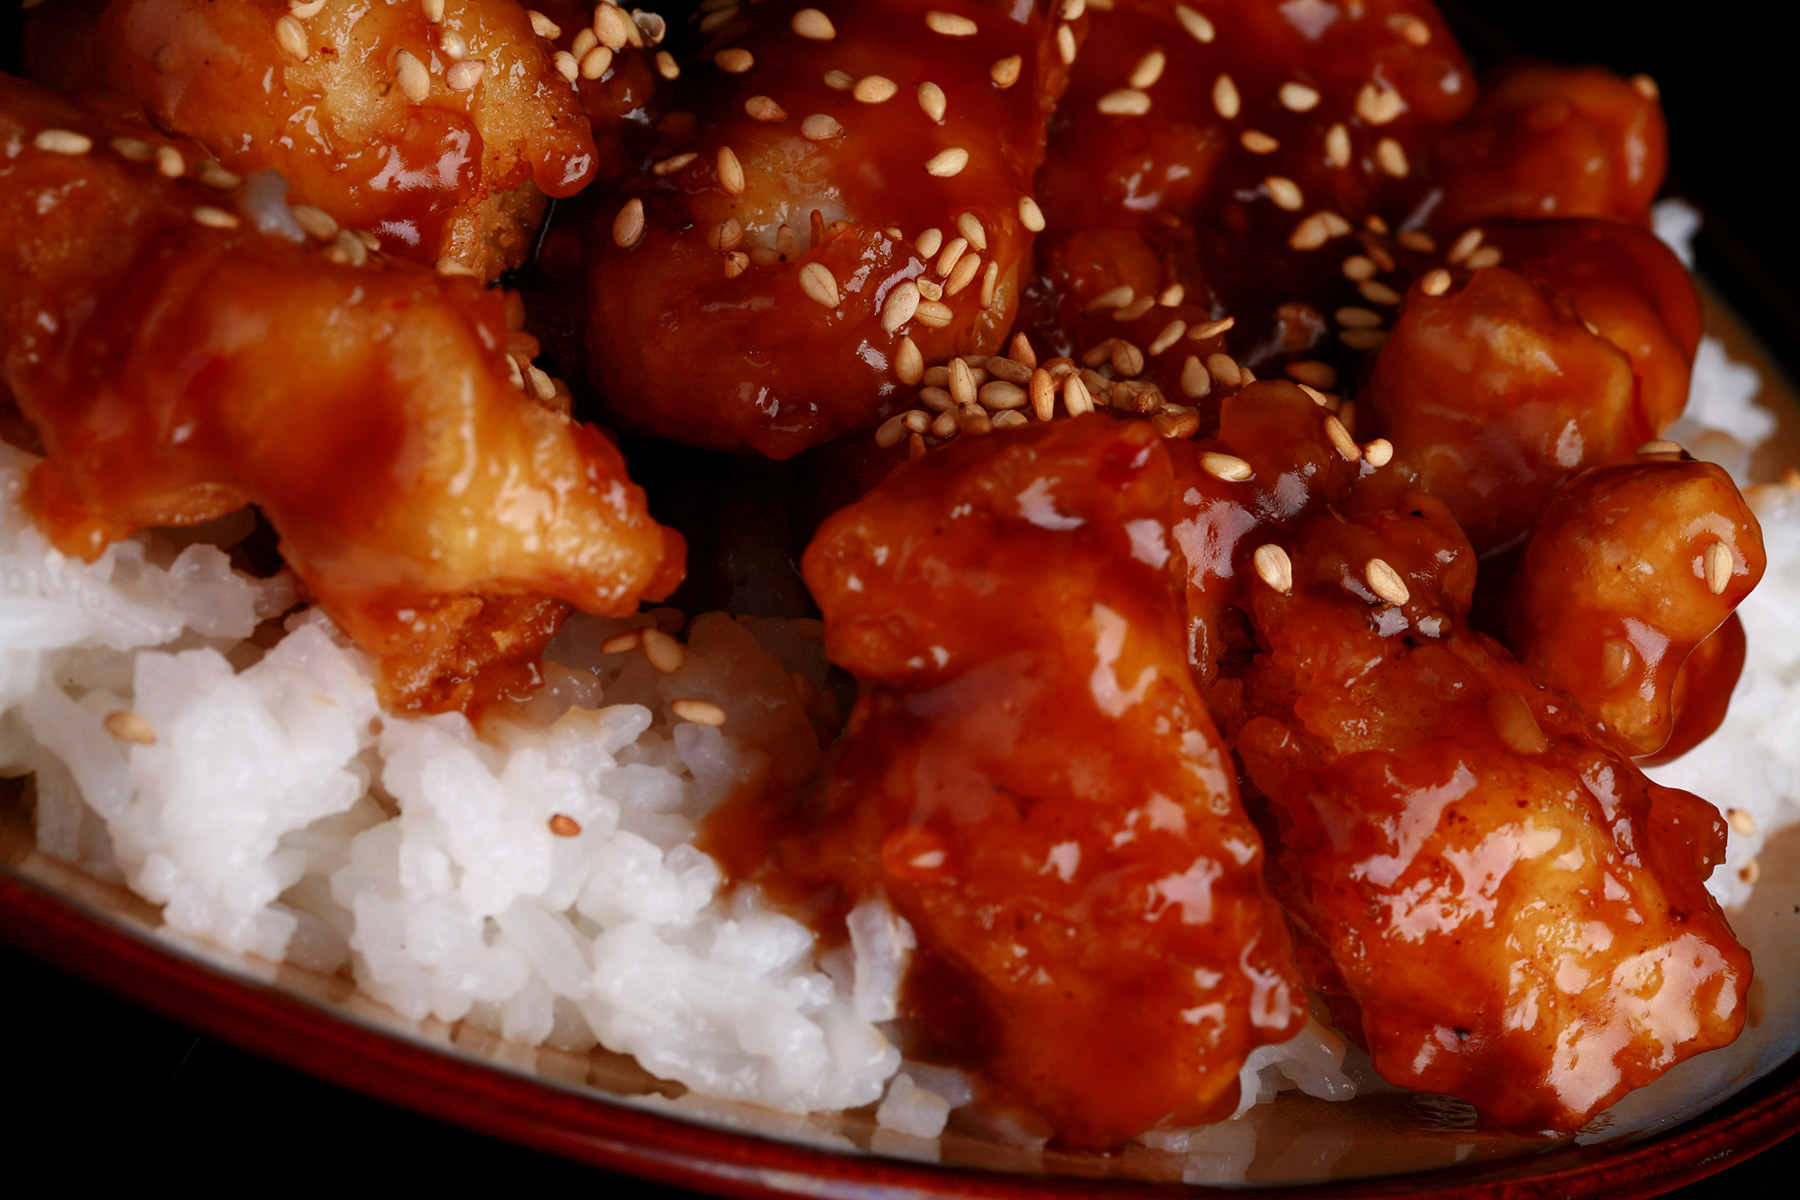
[{"x": 279, "y": 813}]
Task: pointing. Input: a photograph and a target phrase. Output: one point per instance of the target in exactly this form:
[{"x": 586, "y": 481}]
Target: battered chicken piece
[
  {"x": 1031, "y": 779},
  {"x": 1548, "y": 141},
  {"x": 440, "y": 136},
  {"x": 1629, "y": 568},
  {"x": 178, "y": 364},
  {"x": 1494, "y": 901},
  {"x": 847, "y": 197}
]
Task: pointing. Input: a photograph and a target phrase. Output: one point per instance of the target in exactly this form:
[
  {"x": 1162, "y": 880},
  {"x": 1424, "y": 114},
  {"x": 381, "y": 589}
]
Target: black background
[{"x": 85, "y": 1068}]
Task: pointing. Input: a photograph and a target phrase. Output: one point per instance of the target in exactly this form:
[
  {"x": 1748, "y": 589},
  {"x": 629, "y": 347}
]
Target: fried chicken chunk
[
  {"x": 842, "y": 196},
  {"x": 441, "y": 137},
  {"x": 1491, "y": 898},
  {"x": 178, "y": 364},
  {"x": 1031, "y": 779}
]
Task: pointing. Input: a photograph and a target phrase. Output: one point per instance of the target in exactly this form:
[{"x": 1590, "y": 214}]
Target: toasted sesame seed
[
  {"x": 1258, "y": 142},
  {"x": 666, "y": 66},
  {"x": 936, "y": 397},
  {"x": 1435, "y": 282},
  {"x": 585, "y": 40},
  {"x": 1228, "y": 467},
  {"x": 953, "y": 250},
  {"x": 963, "y": 275},
  {"x": 1117, "y": 297},
  {"x": 891, "y": 432},
  {"x": 944, "y": 424},
  {"x": 673, "y": 163},
  {"x": 1209, "y": 329},
  {"x": 1378, "y": 105},
  {"x": 1011, "y": 419},
  {"x": 1464, "y": 245},
  {"x": 565, "y": 65},
  {"x": 972, "y": 230},
  {"x": 1312, "y": 372},
  {"x": 1337, "y": 145},
  {"x": 1514, "y": 722},
  {"x": 820, "y": 286},
  {"x": 564, "y": 826},
  {"x": 628, "y": 226},
  {"x": 1149, "y": 69},
  {"x": 1042, "y": 390},
  {"x": 1377, "y": 292},
  {"x": 901, "y": 304},
  {"x": 999, "y": 395},
  {"x": 1340, "y": 439},
  {"x": 839, "y": 81},
  {"x": 1297, "y": 97},
  {"x": 214, "y": 218},
  {"x": 1311, "y": 233},
  {"x": 909, "y": 364},
  {"x": 1411, "y": 29},
  {"x": 1719, "y": 566},
  {"x": 1274, "y": 567},
  {"x": 946, "y": 163},
  {"x": 1646, "y": 87},
  {"x": 1197, "y": 26},
  {"x": 1359, "y": 267},
  {"x": 1659, "y": 447},
  {"x": 874, "y": 89},
  {"x": 542, "y": 25},
  {"x": 950, "y": 24},
  {"x": 933, "y": 101},
  {"x": 433, "y": 10},
  {"x": 1487, "y": 256},
  {"x": 1005, "y": 71},
  {"x": 763, "y": 108},
  {"x": 1741, "y": 820},
  {"x": 1172, "y": 295},
  {"x": 612, "y": 26},
  {"x": 306, "y": 10},
  {"x": 1124, "y": 102},
  {"x": 726, "y": 236},
  {"x": 1076, "y": 397},
  {"x": 1378, "y": 453},
  {"x": 63, "y": 141},
  {"x": 1224, "y": 369},
  {"x": 1065, "y": 44},
  {"x": 290, "y": 35},
  {"x": 787, "y": 243},
  {"x": 316, "y": 222},
  {"x": 1127, "y": 359},
  {"x": 734, "y": 61},
  {"x": 1363, "y": 339},
  {"x": 664, "y": 652},
  {"x": 931, "y": 289},
  {"x": 700, "y": 712},
  {"x": 934, "y": 314},
  {"x": 131, "y": 149},
  {"x": 916, "y": 420},
  {"x": 129, "y": 726},
  {"x": 445, "y": 265},
  {"x": 1356, "y": 317},
  {"x": 929, "y": 242},
  {"x": 731, "y": 172},
  {"x": 411, "y": 75},
  {"x": 1194, "y": 382},
  {"x": 463, "y": 76},
  {"x": 453, "y": 45},
  {"x": 1284, "y": 192},
  {"x": 1072, "y": 9},
  {"x": 596, "y": 62},
  {"x": 1135, "y": 309},
  {"x": 1225, "y": 98},
  {"x": 1417, "y": 240},
  {"x": 1385, "y": 582},
  {"x": 1390, "y": 157},
  {"x": 962, "y": 382},
  {"x": 1171, "y": 333},
  {"x": 813, "y": 25},
  {"x": 821, "y": 127}
]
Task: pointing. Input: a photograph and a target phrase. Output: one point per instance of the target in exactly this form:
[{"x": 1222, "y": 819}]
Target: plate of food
[{"x": 966, "y": 598}]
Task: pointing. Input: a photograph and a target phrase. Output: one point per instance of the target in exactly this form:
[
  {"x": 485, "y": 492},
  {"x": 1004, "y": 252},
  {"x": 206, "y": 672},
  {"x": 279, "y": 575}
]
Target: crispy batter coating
[{"x": 178, "y": 363}]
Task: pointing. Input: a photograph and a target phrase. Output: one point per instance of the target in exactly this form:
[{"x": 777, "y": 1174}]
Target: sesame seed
[
  {"x": 1487, "y": 256},
  {"x": 1076, "y": 397},
  {"x": 1417, "y": 240},
  {"x": 953, "y": 250},
  {"x": 902, "y": 303},
  {"x": 1719, "y": 566},
  {"x": 1646, "y": 87},
  {"x": 1274, "y": 567},
  {"x": 929, "y": 242},
  {"x": 891, "y": 432},
  {"x": 936, "y": 397},
  {"x": 1435, "y": 283},
  {"x": 786, "y": 243},
  {"x": 1005, "y": 72},
  {"x": 131, "y": 149},
  {"x": 1514, "y": 721},
  {"x": 1377, "y": 292},
  {"x": 934, "y": 314},
  {"x": 1228, "y": 467},
  {"x": 1010, "y": 419},
  {"x": 585, "y": 40},
  {"x": 1359, "y": 267},
  {"x": 947, "y": 163},
  {"x": 1149, "y": 69},
  {"x": 1363, "y": 339},
  {"x": 1127, "y": 359},
  {"x": 1464, "y": 245},
  {"x": 944, "y": 424},
  {"x": 839, "y": 81},
  {"x": 1335, "y": 225},
  {"x": 463, "y": 76},
  {"x": 1195, "y": 382},
  {"x": 453, "y": 45},
  {"x": 999, "y": 395},
  {"x": 1042, "y": 389},
  {"x": 962, "y": 382},
  {"x": 916, "y": 420},
  {"x": 306, "y": 10},
  {"x": 666, "y": 66},
  {"x": 445, "y": 265},
  {"x": 909, "y": 364},
  {"x": 1312, "y": 372},
  {"x": 128, "y": 726},
  {"x": 1224, "y": 369},
  {"x": 1125, "y": 102},
  {"x": 1337, "y": 145},
  {"x": 1197, "y": 26},
  {"x": 1378, "y": 453},
  {"x": 1072, "y": 9},
  {"x": 734, "y": 61},
  {"x": 820, "y": 286},
  {"x": 628, "y": 226},
  {"x": 1225, "y": 97},
  {"x": 813, "y": 25},
  {"x": 963, "y": 275},
  {"x": 950, "y": 24},
  {"x": 1311, "y": 233},
  {"x": 664, "y": 652},
  {"x": 1378, "y": 105},
  {"x": 214, "y": 218},
  {"x": 1208, "y": 329},
  {"x": 612, "y": 26},
  {"x": 1171, "y": 333},
  {"x": 1172, "y": 295},
  {"x": 1356, "y": 317},
  {"x": 931, "y": 289},
  {"x": 596, "y": 62},
  {"x": 731, "y": 171},
  {"x": 1135, "y": 309},
  {"x": 1284, "y": 192},
  {"x": 1065, "y": 44},
  {"x": 1412, "y": 31},
  {"x": 673, "y": 163},
  {"x": 411, "y": 75},
  {"x": 700, "y": 712},
  {"x": 973, "y": 421},
  {"x": 973, "y": 230},
  {"x": 1658, "y": 447},
  {"x": 1117, "y": 297},
  {"x": 290, "y": 35},
  {"x": 1750, "y": 872},
  {"x": 542, "y": 25},
  {"x": 1258, "y": 142},
  {"x": 1297, "y": 97},
  {"x": 564, "y": 826},
  {"x": 566, "y": 66},
  {"x": 316, "y": 222},
  {"x": 63, "y": 141},
  {"x": 875, "y": 89},
  {"x": 717, "y": 17},
  {"x": 933, "y": 101},
  {"x": 821, "y": 127},
  {"x": 433, "y": 10},
  {"x": 1023, "y": 354},
  {"x": 1385, "y": 582},
  {"x": 1341, "y": 440},
  {"x": 763, "y": 108},
  {"x": 1741, "y": 820},
  {"x": 1390, "y": 157}
]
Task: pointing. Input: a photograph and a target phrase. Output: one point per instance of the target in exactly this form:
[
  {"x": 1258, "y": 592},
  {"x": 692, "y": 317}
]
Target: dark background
[{"x": 80, "y": 1063}]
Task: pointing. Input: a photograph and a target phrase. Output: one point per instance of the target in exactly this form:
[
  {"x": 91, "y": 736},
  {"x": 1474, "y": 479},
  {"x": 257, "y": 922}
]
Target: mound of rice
[{"x": 537, "y": 877}]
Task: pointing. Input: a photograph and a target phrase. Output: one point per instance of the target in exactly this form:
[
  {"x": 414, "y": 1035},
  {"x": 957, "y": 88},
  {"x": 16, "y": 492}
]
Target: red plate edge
[{"x": 496, "y": 1102}]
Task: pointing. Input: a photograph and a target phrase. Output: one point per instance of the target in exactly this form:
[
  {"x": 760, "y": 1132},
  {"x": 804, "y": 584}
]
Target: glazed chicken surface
[{"x": 1262, "y": 568}]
